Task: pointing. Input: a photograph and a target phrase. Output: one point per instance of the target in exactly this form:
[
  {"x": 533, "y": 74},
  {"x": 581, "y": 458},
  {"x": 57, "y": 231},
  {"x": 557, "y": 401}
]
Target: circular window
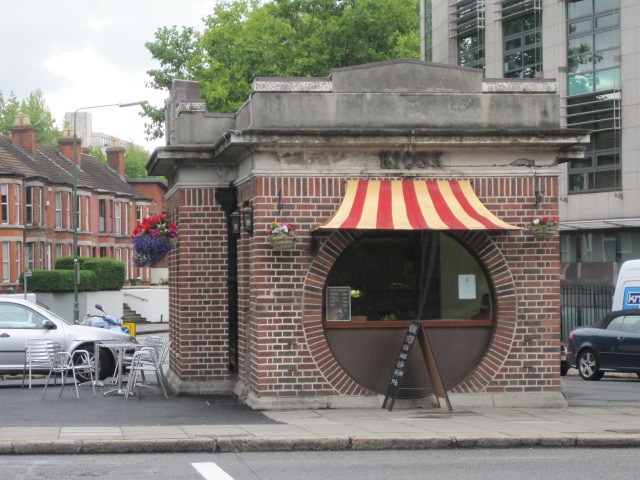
[{"x": 391, "y": 278}]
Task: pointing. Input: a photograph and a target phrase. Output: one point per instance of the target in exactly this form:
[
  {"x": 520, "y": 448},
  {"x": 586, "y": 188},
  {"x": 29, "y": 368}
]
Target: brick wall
[
  {"x": 282, "y": 348},
  {"x": 198, "y": 294}
]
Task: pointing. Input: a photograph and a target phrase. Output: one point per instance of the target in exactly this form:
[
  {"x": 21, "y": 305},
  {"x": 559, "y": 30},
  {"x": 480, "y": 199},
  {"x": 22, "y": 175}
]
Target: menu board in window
[{"x": 338, "y": 304}]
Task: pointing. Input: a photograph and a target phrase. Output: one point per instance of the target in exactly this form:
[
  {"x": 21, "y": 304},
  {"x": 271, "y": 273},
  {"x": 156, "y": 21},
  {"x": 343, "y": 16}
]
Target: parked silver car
[{"x": 20, "y": 320}]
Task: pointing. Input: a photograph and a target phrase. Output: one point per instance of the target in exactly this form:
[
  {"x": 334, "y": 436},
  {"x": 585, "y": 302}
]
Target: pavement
[{"x": 149, "y": 423}]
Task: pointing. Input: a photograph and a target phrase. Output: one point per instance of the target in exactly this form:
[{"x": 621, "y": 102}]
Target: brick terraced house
[
  {"x": 36, "y": 195},
  {"x": 413, "y": 186}
]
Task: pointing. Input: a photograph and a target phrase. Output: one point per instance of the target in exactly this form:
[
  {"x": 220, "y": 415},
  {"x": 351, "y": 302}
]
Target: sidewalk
[
  {"x": 347, "y": 429},
  {"x": 149, "y": 423}
]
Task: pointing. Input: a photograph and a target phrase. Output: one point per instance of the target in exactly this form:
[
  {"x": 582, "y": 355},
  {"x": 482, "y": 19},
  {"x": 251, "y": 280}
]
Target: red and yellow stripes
[{"x": 413, "y": 205}]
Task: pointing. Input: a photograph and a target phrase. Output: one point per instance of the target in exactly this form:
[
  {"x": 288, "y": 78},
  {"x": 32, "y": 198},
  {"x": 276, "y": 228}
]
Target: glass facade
[
  {"x": 469, "y": 33},
  {"x": 593, "y": 66},
  {"x": 613, "y": 246},
  {"x": 428, "y": 31},
  {"x": 522, "y": 38},
  {"x": 600, "y": 169}
]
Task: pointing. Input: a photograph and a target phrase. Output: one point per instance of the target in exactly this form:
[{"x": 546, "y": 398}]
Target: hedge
[
  {"x": 95, "y": 274},
  {"x": 60, "y": 281},
  {"x": 110, "y": 273}
]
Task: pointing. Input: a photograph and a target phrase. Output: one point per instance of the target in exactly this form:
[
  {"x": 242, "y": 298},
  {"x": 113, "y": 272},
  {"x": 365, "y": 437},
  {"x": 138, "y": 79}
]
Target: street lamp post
[{"x": 76, "y": 267}]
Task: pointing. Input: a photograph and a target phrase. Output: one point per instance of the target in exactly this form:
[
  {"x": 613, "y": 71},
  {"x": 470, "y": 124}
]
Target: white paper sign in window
[{"x": 466, "y": 287}]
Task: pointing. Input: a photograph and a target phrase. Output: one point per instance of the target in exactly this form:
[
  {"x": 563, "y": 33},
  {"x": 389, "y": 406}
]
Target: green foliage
[
  {"x": 109, "y": 273},
  {"x": 66, "y": 263},
  {"x": 135, "y": 160},
  {"x": 173, "y": 49},
  {"x": 98, "y": 153},
  {"x": 245, "y": 39},
  {"x": 60, "y": 281},
  {"x": 40, "y": 115},
  {"x": 9, "y": 107}
]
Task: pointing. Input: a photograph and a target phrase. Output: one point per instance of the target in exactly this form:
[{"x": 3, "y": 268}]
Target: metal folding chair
[
  {"x": 62, "y": 363},
  {"x": 147, "y": 359},
  {"x": 161, "y": 344},
  {"x": 35, "y": 357}
]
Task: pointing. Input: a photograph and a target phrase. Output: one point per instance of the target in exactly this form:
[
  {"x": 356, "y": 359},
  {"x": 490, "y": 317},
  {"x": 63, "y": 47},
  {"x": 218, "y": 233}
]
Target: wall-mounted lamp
[
  {"x": 247, "y": 217},
  {"x": 234, "y": 224}
]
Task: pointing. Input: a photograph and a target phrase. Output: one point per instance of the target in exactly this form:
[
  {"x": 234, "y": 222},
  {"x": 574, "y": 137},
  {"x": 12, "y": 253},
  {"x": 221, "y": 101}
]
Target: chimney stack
[
  {"x": 65, "y": 146},
  {"x": 23, "y": 134},
  {"x": 115, "y": 157}
]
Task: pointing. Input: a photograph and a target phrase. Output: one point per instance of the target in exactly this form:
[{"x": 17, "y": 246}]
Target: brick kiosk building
[{"x": 413, "y": 186}]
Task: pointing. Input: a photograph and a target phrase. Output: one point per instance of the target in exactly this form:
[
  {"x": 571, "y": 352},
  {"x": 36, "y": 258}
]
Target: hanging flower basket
[
  {"x": 282, "y": 241},
  {"x": 282, "y": 236},
  {"x": 152, "y": 239},
  {"x": 544, "y": 228}
]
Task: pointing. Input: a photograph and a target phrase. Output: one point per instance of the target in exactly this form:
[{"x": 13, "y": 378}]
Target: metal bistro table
[{"x": 119, "y": 348}]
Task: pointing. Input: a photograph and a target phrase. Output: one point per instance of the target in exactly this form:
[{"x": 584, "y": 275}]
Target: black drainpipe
[{"x": 228, "y": 199}]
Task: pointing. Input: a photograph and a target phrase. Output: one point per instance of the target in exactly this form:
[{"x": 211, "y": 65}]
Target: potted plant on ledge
[
  {"x": 152, "y": 239},
  {"x": 544, "y": 227},
  {"x": 282, "y": 236}
]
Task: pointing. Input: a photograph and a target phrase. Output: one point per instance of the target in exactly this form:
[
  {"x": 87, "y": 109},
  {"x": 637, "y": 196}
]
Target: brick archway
[{"x": 482, "y": 246}]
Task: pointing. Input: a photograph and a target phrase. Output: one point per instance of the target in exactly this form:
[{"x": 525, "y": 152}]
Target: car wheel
[
  {"x": 106, "y": 363},
  {"x": 588, "y": 365}
]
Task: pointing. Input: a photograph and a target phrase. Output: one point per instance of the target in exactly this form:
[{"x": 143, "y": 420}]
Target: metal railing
[{"x": 583, "y": 305}]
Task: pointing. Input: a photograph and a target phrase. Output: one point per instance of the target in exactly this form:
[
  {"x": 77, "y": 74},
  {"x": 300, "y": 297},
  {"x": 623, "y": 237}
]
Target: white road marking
[{"x": 211, "y": 471}]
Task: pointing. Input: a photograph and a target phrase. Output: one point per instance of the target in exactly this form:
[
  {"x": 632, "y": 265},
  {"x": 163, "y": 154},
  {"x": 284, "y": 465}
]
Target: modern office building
[
  {"x": 592, "y": 49},
  {"x": 90, "y": 138}
]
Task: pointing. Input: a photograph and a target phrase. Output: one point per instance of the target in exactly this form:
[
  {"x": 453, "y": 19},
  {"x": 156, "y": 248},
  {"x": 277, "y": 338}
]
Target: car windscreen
[{"x": 58, "y": 317}]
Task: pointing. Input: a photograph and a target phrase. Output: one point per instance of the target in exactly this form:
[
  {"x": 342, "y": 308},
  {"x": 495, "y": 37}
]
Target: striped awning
[{"x": 413, "y": 205}]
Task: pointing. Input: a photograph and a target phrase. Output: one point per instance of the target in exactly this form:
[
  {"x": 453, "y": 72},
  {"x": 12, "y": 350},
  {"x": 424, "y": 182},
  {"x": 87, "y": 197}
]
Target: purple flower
[{"x": 150, "y": 249}]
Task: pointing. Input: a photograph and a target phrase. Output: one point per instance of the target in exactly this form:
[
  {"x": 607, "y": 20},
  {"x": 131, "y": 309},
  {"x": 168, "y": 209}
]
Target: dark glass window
[
  {"x": 418, "y": 275},
  {"x": 601, "y": 167},
  {"x": 468, "y": 24},
  {"x": 593, "y": 46},
  {"x": 102, "y": 207},
  {"x": 593, "y": 61},
  {"x": 28, "y": 205},
  {"x": 522, "y": 38}
]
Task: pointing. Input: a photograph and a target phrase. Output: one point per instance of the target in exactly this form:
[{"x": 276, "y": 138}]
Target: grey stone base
[
  {"x": 308, "y": 402},
  {"x": 181, "y": 387},
  {"x": 458, "y": 401}
]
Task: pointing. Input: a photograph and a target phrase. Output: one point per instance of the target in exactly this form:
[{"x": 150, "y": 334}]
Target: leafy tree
[
  {"x": 9, "y": 107},
  {"x": 173, "y": 48},
  {"x": 98, "y": 153},
  {"x": 40, "y": 116},
  {"x": 135, "y": 161},
  {"x": 245, "y": 39}
]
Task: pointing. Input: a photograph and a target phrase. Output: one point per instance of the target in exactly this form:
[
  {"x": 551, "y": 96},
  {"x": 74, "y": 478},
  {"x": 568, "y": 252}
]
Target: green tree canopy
[
  {"x": 245, "y": 39},
  {"x": 98, "y": 153},
  {"x": 40, "y": 115},
  {"x": 135, "y": 161}
]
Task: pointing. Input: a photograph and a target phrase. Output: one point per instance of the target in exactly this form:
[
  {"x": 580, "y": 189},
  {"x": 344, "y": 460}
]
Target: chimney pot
[
  {"x": 65, "y": 146},
  {"x": 115, "y": 159},
  {"x": 23, "y": 134}
]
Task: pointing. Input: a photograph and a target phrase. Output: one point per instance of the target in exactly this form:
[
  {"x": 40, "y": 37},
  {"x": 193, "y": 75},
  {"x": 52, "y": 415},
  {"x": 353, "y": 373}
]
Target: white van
[{"x": 627, "y": 292}]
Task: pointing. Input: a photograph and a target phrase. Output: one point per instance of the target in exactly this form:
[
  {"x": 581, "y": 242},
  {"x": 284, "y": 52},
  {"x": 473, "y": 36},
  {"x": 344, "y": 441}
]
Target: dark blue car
[{"x": 610, "y": 345}]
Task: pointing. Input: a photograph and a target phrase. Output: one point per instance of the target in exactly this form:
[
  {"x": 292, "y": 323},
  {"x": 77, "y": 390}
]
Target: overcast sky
[{"x": 90, "y": 52}]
